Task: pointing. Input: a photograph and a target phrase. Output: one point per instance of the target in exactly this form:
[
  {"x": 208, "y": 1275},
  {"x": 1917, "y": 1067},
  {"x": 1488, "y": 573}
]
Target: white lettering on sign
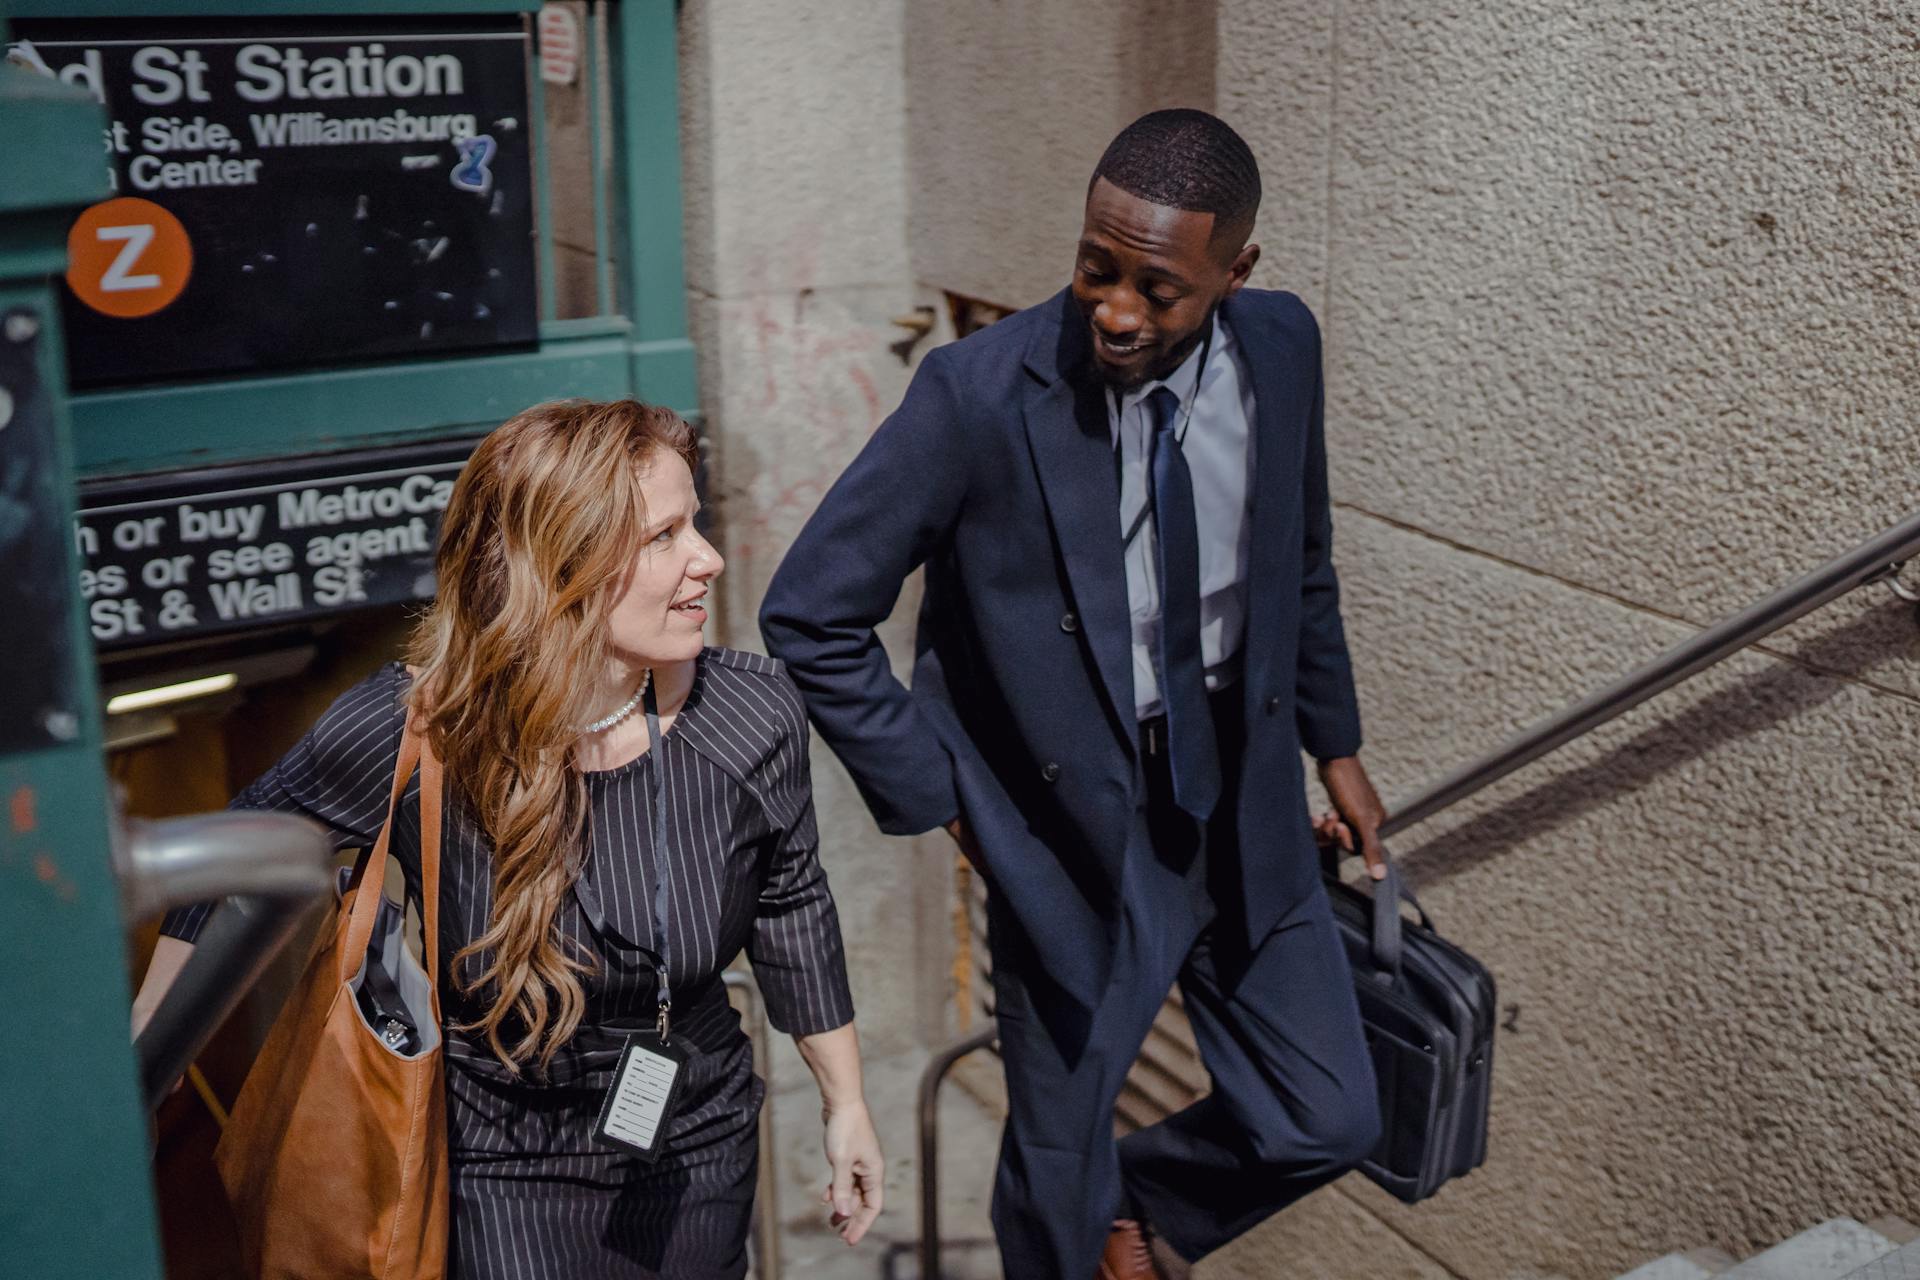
[
  {"x": 231, "y": 562},
  {"x": 242, "y": 523},
  {"x": 415, "y": 495},
  {"x": 411, "y": 539},
  {"x": 115, "y": 619},
  {"x": 118, "y": 277},
  {"x": 253, "y": 556},
  {"x": 317, "y": 129},
  {"x": 269, "y": 73},
  {"x": 253, "y": 598},
  {"x": 338, "y": 585},
  {"x": 107, "y": 580},
  {"x": 150, "y": 173},
  {"x": 166, "y": 74},
  {"x": 559, "y": 44}
]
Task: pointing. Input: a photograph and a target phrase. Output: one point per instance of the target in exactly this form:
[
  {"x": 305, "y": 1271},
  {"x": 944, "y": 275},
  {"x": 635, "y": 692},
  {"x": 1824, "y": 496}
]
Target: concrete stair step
[
  {"x": 1886, "y": 1248},
  {"x": 1902, "y": 1264},
  {"x": 1831, "y": 1251},
  {"x": 1675, "y": 1266},
  {"x": 1694, "y": 1264}
]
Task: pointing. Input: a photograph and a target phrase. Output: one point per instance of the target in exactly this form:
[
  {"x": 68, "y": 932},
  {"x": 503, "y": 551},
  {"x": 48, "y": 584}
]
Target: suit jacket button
[
  {"x": 1050, "y": 771},
  {"x": 1069, "y": 622},
  {"x": 1273, "y": 705}
]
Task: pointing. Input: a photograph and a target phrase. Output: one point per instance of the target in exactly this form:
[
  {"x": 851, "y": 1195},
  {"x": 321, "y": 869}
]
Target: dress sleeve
[
  {"x": 338, "y": 775},
  {"x": 798, "y": 959}
]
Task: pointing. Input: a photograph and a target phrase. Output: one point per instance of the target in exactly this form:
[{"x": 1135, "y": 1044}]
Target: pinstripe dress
[{"x": 534, "y": 1196}]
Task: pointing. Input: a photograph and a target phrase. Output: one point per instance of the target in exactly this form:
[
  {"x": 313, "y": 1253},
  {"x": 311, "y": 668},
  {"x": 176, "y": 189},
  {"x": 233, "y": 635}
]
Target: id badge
[{"x": 645, "y": 1091}]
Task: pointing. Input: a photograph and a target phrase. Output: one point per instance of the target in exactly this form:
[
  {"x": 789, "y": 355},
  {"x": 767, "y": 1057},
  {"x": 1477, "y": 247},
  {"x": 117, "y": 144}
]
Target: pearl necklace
[{"x": 607, "y": 722}]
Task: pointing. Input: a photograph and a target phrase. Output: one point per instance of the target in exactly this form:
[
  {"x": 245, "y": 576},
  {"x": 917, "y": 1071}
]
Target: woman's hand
[
  {"x": 858, "y": 1184},
  {"x": 170, "y": 956},
  {"x": 856, "y": 1170}
]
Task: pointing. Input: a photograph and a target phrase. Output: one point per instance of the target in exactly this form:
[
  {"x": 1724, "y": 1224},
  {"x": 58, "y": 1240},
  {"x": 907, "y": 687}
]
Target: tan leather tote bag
[{"x": 335, "y": 1158}]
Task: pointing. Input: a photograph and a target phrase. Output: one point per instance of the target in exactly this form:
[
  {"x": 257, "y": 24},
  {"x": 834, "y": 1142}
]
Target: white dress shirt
[{"x": 1218, "y": 446}]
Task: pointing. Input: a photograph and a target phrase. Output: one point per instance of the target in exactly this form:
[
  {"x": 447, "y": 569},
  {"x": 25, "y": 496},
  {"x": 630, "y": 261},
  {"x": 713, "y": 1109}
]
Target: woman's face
[{"x": 661, "y": 610}]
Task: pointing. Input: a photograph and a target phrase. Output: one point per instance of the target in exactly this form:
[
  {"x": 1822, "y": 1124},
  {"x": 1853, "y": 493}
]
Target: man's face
[{"x": 1146, "y": 281}]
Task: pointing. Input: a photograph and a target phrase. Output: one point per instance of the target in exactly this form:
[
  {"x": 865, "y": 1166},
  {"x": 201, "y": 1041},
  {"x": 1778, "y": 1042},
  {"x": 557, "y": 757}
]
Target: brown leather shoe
[
  {"x": 1126, "y": 1256},
  {"x": 1134, "y": 1252}
]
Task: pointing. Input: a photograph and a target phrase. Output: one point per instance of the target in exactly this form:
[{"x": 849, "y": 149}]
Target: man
[{"x": 1130, "y": 629}]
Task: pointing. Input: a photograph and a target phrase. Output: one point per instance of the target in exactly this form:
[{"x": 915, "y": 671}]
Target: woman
[{"x": 570, "y": 576}]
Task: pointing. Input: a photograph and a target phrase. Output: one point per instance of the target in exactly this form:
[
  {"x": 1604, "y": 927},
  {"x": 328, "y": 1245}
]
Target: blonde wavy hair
[{"x": 535, "y": 546}]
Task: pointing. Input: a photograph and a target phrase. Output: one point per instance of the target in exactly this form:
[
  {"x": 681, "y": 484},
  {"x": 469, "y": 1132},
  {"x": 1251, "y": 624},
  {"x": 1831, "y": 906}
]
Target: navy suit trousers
[{"x": 1293, "y": 1102}]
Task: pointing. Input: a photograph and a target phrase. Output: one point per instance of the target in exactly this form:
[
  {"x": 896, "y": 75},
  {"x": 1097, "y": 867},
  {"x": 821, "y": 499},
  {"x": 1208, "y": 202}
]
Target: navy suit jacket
[{"x": 997, "y": 473}]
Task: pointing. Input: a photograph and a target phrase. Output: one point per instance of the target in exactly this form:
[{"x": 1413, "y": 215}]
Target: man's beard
[{"x": 1123, "y": 383}]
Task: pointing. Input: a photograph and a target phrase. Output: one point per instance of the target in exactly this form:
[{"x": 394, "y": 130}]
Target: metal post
[
  {"x": 766, "y": 1204},
  {"x": 177, "y": 861},
  {"x": 930, "y": 1082},
  {"x": 239, "y": 941},
  {"x": 75, "y": 1196},
  {"x": 642, "y": 62},
  {"x": 1867, "y": 562},
  {"x": 542, "y": 186},
  {"x": 596, "y": 164}
]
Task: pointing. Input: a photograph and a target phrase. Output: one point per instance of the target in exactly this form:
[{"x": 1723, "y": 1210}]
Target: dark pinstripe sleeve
[
  {"x": 338, "y": 775},
  {"x": 798, "y": 959}
]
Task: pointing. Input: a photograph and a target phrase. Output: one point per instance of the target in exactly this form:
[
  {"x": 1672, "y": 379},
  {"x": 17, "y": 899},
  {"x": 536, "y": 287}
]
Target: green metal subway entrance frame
[
  {"x": 641, "y": 348},
  {"x": 74, "y": 1197}
]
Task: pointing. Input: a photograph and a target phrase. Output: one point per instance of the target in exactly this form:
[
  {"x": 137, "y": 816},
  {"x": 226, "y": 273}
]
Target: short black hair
[{"x": 1187, "y": 159}]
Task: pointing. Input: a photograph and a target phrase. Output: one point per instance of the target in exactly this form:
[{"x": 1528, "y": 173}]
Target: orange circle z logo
[{"x": 128, "y": 257}]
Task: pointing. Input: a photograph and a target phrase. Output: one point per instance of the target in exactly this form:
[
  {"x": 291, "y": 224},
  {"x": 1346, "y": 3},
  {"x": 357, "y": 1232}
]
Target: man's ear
[{"x": 1241, "y": 268}]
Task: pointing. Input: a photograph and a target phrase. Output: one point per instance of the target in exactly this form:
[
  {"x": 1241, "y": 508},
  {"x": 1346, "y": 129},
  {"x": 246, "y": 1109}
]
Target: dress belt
[
  {"x": 1153, "y": 729},
  {"x": 594, "y": 1051}
]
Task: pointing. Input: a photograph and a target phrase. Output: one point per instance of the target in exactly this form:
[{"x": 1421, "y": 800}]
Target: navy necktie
[{"x": 1182, "y": 671}]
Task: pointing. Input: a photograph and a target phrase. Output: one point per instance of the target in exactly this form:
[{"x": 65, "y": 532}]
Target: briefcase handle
[{"x": 1386, "y": 941}]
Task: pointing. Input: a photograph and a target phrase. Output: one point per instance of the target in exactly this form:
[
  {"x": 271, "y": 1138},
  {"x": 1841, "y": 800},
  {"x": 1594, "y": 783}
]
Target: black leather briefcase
[{"x": 1429, "y": 1013}]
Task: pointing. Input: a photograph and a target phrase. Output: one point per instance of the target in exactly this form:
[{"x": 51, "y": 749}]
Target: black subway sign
[
  {"x": 296, "y": 192},
  {"x": 170, "y": 557}
]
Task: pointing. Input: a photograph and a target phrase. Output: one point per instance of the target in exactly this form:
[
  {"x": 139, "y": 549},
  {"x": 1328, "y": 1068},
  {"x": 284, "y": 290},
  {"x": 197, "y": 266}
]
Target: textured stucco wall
[
  {"x": 1010, "y": 106},
  {"x": 1620, "y": 336},
  {"x": 794, "y": 142}
]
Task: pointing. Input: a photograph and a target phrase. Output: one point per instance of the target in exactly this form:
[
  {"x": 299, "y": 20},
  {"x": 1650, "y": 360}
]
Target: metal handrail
[
  {"x": 766, "y": 1205},
  {"x": 1876, "y": 559},
  {"x": 176, "y": 861},
  {"x": 930, "y": 1082},
  {"x": 270, "y": 867},
  {"x": 239, "y": 941}
]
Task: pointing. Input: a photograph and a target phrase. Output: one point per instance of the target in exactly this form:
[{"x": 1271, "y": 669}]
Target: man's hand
[
  {"x": 858, "y": 1170},
  {"x": 963, "y": 836},
  {"x": 1357, "y": 812}
]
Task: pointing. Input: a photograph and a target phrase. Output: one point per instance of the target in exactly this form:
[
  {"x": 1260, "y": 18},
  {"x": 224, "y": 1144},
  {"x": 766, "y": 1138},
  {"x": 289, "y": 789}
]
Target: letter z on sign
[{"x": 128, "y": 257}]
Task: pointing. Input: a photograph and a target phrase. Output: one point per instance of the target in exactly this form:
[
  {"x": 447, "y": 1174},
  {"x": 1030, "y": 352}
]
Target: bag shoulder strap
[
  {"x": 414, "y": 753},
  {"x": 432, "y": 796}
]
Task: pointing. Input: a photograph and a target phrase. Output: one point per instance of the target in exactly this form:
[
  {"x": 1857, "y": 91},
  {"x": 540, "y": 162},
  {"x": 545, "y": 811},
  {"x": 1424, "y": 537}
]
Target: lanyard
[
  {"x": 1180, "y": 436},
  {"x": 590, "y": 898}
]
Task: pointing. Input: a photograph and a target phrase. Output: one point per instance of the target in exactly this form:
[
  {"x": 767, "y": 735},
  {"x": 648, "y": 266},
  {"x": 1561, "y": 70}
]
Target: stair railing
[
  {"x": 766, "y": 1197},
  {"x": 270, "y": 869},
  {"x": 1879, "y": 559}
]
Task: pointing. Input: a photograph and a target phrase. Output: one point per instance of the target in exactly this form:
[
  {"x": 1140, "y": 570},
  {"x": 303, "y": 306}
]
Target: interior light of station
[{"x": 166, "y": 694}]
